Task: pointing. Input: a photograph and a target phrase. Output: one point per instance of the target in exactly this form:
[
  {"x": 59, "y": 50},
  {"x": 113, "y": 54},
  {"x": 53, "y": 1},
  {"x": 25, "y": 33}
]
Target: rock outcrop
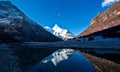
[{"x": 104, "y": 20}]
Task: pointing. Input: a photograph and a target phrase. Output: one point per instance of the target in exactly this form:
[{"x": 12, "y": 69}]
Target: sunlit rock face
[
  {"x": 104, "y": 20},
  {"x": 16, "y": 26}
]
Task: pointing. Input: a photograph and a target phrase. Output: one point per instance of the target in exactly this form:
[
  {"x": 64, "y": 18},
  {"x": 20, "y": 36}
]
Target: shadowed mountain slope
[{"x": 16, "y": 26}]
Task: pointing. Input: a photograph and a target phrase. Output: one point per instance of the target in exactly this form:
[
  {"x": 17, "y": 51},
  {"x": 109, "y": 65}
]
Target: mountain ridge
[
  {"x": 16, "y": 26},
  {"x": 104, "y": 20}
]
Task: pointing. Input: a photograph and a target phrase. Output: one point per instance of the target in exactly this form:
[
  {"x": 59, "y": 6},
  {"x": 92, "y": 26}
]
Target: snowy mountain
[
  {"x": 59, "y": 32},
  {"x": 49, "y": 29},
  {"x": 16, "y": 26}
]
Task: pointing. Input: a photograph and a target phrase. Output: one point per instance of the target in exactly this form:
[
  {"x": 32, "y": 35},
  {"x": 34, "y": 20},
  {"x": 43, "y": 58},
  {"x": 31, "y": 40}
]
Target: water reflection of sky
[{"x": 64, "y": 60}]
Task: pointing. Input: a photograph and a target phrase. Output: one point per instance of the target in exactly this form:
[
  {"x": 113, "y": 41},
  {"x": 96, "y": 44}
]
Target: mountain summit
[
  {"x": 60, "y": 32},
  {"x": 16, "y": 26}
]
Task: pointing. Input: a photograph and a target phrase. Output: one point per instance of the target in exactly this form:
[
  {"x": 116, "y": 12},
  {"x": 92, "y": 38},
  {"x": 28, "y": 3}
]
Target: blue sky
[{"x": 73, "y": 15}]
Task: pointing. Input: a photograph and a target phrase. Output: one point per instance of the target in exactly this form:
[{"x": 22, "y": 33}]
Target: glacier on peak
[{"x": 60, "y": 32}]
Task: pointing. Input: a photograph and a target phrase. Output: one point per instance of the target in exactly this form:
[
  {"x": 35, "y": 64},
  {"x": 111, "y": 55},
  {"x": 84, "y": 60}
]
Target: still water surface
[
  {"x": 64, "y": 60},
  {"x": 27, "y": 59}
]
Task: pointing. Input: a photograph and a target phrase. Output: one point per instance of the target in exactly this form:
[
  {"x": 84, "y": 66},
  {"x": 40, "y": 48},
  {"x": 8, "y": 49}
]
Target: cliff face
[
  {"x": 16, "y": 26},
  {"x": 104, "y": 20}
]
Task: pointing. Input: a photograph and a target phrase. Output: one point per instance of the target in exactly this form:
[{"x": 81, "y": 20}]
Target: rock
[{"x": 104, "y": 20}]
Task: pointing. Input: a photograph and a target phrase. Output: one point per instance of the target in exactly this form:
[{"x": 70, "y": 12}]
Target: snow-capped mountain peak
[
  {"x": 60, "y": 32},
  {"x": 57, "y": 28}
]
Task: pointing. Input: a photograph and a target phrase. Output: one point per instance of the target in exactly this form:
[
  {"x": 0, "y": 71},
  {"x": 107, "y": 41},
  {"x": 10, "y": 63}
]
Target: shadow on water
[
  {"x": 18, "y": 59},
  {"x": 28, "y": 57}
]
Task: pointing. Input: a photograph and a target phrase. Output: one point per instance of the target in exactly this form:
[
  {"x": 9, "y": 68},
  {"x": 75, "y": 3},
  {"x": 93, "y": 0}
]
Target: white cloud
[{"x": 108, "y": 2}]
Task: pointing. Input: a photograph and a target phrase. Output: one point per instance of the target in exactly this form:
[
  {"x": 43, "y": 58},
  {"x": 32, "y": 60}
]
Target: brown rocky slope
[{"x": 104, "y": 20}]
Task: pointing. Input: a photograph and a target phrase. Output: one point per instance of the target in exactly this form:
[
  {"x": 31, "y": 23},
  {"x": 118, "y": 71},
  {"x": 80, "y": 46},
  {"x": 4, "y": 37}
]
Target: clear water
[
  {"x": 64, "y": 60},
  {"x": 27, "y": 59}
]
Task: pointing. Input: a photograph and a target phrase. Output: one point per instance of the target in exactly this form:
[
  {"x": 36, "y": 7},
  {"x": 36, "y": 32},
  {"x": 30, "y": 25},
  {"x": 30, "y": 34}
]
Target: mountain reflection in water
[
  {"x": 64, "y": 60},
  {"x": 26, "y": 59}
]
